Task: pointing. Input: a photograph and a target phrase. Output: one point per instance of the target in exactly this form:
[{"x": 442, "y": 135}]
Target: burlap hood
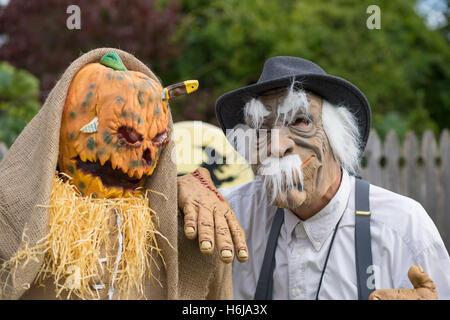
[{"x": 27, "y": 171}]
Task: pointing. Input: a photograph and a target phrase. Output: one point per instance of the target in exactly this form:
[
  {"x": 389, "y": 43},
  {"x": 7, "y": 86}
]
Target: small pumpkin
[{"x": 114, "y": 126}]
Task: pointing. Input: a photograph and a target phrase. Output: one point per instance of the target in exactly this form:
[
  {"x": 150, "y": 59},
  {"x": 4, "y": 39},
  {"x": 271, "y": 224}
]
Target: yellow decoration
[
  {"x": 179, "y": 89},
  {"x": 191, "y": 85},
  {"x": 202, "y": 144}
]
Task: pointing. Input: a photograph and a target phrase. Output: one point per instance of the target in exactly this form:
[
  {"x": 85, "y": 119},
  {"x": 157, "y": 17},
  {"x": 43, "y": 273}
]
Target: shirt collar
[{"x": 322, "y": 224}]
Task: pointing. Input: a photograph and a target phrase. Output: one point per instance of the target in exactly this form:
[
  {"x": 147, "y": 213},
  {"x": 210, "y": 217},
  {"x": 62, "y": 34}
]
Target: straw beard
[
  {"x": 280, "y": 176},
  {"x": 83, "y": 230}
]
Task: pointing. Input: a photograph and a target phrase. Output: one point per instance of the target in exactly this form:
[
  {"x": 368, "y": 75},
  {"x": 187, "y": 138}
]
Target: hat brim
[{"x": 229, "y": 106}]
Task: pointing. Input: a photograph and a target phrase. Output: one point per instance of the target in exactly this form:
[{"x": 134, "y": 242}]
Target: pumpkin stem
[{"x": 113, "y": 60}]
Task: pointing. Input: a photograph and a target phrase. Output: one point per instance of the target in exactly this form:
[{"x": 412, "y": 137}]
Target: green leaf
[
  {"x": 113, "y": 60},
  {"x": 19, "y": 102}
]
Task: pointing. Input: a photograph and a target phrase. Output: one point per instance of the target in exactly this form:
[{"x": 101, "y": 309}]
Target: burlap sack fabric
[{"x": 26, "y": 175}]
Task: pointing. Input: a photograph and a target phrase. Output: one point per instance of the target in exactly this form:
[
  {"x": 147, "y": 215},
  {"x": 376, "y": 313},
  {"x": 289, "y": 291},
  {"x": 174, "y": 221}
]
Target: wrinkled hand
[
  {"x": 424, "y": 288},
  {"x": 205, "y": 211}
]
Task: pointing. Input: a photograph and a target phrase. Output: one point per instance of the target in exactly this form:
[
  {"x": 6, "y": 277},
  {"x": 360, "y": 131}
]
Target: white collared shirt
[{"x": 402, "y": 235}]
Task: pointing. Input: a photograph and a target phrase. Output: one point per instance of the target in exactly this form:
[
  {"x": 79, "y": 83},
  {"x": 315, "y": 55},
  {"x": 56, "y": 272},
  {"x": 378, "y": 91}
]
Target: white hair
[
  {"x": 341, "y": 128},
  {"x": 255, "y": 111},
  {"x": 294, "y": 101},
  {"x": 280, "y": 175}
]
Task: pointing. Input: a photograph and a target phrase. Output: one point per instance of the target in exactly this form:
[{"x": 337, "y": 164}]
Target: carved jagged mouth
[{"x": 108, "y": 176}]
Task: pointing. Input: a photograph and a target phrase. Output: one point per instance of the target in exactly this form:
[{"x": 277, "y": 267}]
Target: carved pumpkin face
[{"x": 114, "y": 126}]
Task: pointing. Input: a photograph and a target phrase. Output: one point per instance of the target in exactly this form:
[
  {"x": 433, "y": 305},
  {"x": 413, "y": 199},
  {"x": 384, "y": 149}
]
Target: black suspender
[
  {"x": 264, "y": 288},
  {"x": 363, "y": 250}
]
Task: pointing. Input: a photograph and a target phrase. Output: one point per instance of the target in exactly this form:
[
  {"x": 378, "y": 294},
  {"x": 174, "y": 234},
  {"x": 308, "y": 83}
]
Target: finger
[
  {"x": 184, "y": 188},
  {"x": 394, "y": 294},
  {"x": 419, "y": 278},
  {"x": 190, "y": 220},
  {"x": 223, "y": 237},
  {"x": 238, "y": 234},
  {"x": 205, "y": 230}
]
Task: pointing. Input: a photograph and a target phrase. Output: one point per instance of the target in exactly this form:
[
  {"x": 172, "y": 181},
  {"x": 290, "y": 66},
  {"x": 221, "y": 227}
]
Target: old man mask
[{"x": 302, "y": 141}]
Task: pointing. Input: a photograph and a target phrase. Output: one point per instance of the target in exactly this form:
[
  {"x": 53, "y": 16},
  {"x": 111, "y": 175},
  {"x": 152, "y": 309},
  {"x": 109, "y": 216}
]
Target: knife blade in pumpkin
[{"x": 179, "y": 89}]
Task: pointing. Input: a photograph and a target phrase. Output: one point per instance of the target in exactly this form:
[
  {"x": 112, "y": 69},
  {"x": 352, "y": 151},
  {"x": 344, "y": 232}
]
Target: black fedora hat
[{"x": 279, "y": 72}]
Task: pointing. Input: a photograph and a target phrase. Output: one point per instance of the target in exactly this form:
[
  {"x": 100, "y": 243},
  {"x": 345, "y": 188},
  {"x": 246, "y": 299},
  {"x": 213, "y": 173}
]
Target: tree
[
  {"x": 403, "y": 68},
  {"x": 38, "y": 40},
  {"x": 19, "y": 101}
]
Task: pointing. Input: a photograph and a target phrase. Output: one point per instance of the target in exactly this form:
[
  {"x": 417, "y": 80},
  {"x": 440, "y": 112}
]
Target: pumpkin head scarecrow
[
  {"x": 104, "y": 224},
  {"x": 113, "y": 129}
]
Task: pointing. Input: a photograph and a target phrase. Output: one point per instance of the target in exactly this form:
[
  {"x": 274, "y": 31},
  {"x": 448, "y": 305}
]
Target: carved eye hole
[
  {"x": 160, "y": 138},
  {"x": 129, "y": 135}
]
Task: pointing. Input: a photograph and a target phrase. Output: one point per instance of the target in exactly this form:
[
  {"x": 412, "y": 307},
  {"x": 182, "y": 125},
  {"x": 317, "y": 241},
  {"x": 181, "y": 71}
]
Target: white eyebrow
[
  {"x": 255, "y": 112},
  {"x": 296, "y": 100}
]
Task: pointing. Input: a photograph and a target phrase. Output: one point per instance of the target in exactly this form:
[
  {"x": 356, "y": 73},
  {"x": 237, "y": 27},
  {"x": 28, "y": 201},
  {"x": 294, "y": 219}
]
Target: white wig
[{"x": 342, "y": 131}]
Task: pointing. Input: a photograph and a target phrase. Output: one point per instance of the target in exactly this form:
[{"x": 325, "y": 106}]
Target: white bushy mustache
[{"x": 280, "y": 175}]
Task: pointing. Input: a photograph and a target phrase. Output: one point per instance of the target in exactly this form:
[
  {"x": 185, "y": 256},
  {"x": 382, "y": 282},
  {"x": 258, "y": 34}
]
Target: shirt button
[
  {"x": 300, "y": 252},
  {"x": 299, "y": 232},
  {"x": 296, "y": 292},
  {"x": 317, "y": 244}
]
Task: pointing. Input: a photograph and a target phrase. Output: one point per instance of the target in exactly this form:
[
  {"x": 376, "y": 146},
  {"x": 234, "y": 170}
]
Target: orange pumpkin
[{"x": 114, "y": 126}]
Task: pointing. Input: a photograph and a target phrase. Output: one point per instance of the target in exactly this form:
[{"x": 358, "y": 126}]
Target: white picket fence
[{"x": 419, "y": 169}]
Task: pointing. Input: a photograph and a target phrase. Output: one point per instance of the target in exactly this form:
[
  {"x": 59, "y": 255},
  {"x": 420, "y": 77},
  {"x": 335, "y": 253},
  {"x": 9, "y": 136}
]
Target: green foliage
[
  {"x": 403, "y": 68},
  {"x": 36, "y": 37},
  {"x": 19, "y": 93}
]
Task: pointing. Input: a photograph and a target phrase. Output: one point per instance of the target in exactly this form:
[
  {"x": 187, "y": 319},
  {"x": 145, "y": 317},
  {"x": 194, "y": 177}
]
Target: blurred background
[{"x": 403, "y": 69}]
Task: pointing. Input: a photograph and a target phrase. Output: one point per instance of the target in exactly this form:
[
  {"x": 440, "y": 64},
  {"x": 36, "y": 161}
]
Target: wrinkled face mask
[{"x": 295, "y": 160}]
